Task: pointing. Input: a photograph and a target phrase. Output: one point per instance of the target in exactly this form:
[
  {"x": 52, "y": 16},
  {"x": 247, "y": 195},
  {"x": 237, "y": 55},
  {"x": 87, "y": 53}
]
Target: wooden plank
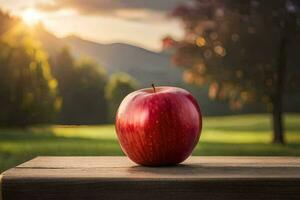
[
  {"x": 118, "y": 178},
  {"x": 77, "y": 162},
  {"x": 122, "y": 161}
]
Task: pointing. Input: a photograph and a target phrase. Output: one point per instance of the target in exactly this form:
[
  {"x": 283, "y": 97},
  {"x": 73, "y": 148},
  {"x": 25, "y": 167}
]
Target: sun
[{"x": 31, "y": 17}]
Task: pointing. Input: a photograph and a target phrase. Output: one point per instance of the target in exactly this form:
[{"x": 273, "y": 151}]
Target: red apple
[{"x": 158, "y": 126}]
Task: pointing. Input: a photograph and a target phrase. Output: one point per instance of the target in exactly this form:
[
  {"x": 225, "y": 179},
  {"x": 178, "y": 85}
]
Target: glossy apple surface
[{"x": 158, "y": 126}]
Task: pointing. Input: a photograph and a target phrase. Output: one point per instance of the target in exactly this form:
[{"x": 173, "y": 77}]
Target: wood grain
[{"x": 118, "y": 178}]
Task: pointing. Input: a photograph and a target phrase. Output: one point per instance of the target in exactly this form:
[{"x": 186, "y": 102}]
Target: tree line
[{"x": 36, "y": 89}]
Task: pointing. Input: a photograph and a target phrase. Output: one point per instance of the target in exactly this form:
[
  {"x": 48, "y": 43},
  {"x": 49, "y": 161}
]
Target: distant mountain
[
  {"x": 50, "y": 42},
  {"x": 146, "y": 66}
]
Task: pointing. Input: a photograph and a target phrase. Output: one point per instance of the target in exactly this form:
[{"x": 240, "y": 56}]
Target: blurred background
[{"x": 65, "y": 66}]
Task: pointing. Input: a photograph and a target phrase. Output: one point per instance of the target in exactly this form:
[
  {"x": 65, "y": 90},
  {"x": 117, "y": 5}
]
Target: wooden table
[{"x": 91, "y": 178}]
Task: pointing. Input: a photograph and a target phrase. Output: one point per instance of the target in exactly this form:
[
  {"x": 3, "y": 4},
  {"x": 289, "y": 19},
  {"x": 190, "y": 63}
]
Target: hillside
[{"x": 146, "y": 66}]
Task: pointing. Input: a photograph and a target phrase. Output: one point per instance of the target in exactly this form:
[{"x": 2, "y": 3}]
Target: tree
[
  {"x": 81, "y": 85},
  {"x": 241, "y": 49},
  {"x": 118, "y": 86},
  {"x": 27, "y": 88},
  {"x": 7, "y": 22}
]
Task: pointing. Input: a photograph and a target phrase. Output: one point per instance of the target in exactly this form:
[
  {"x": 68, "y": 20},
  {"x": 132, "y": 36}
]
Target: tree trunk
[{"x": 278, "y": 129}]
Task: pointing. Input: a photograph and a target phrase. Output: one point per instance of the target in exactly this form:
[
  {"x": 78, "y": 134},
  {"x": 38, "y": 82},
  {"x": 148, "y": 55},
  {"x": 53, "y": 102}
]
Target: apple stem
[{"x": 153, "y": 87}]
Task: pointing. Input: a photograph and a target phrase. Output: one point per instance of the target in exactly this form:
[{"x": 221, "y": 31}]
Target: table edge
[{"x": 142, "y": 179}]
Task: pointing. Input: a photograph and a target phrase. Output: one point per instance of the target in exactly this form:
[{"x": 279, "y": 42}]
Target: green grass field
[{"x": 230, "y": 135}]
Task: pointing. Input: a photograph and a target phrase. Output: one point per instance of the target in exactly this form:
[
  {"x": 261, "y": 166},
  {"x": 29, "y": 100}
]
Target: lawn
[{"x": 230, "y": 135}]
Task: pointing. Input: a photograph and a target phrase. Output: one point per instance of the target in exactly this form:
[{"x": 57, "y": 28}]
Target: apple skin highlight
[{"x": 158, "y": 126}]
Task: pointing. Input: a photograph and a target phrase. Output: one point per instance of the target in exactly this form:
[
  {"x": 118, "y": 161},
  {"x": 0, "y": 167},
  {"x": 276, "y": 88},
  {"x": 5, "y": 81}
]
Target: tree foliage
[
  {"x": 27, "y": 88},
  {"x": 118, "y": 86},
  {"x": 7, "y": 22},
  {"x": 81, "y": 85},
  {"x": 242, "y": 49}
]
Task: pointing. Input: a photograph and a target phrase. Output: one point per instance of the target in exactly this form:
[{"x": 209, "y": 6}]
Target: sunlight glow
[{"x": 31, "y": 17}]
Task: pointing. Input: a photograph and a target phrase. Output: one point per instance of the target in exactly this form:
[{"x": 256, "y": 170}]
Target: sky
[{"x": 139, "y": 22}]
